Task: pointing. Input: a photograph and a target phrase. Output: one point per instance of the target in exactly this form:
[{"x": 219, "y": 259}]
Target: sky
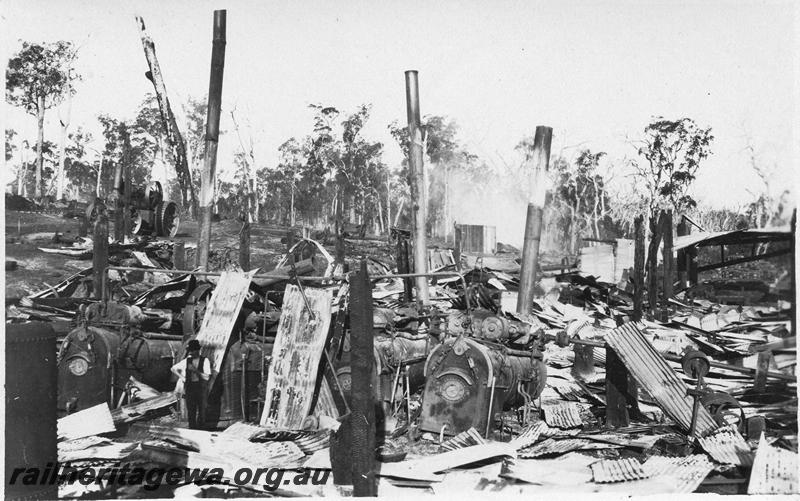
[{"x": 594, "y": 71}]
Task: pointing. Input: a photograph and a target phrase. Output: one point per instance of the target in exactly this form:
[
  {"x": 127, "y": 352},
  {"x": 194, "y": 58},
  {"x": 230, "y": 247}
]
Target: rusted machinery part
[
  {"x": 154, "y": 194},
  {"x": 695, "y": 364},
  {"x": 169, "y": 220},
  {"x": 159, "y": 214},
  {"x": 725, "y": 409},
  {"x": 195, "y": 309}
]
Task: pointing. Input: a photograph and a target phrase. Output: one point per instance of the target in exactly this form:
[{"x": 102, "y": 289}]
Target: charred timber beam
[
  {"x": 212, "y": 138},
  {"x": 533, "y": 223},
  {"x": 638, "y": 268},
  {"x": 173, "y": 134},
  {"x": 419, "y": 206}
]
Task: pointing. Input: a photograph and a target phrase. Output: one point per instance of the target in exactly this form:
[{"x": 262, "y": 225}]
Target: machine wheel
[
  {"x": 195, "y": 309},
  {"x": 91, "y": 212},
  {"x": 154, "y": 194},
  {"x": 169, "y": 220}
]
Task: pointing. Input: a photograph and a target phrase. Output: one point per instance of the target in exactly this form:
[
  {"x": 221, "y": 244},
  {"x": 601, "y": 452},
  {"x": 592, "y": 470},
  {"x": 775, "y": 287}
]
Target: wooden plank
[{"x": 298, "y": 348}]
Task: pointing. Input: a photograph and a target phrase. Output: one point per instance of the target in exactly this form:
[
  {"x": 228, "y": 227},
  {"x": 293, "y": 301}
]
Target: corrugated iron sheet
[
  {"x": 530, "y": 435},
  {"x": 315, "y": 442},
  {"x": 685, "y": 473},
  {"x": 552, "y": 447},
  {"x": 243, "y": 430},
  {"x": 562, "y": 414},
  {"x": 617, "y": 470},
  {"x": 774, "y": 471},
  {"x": 656, "y": 376},
  {"x": 727, "y": 446},
  {"x": 92, "y": 421},
  {"x": 642, "y": 442},
  {"x": 463, "y": 439}
]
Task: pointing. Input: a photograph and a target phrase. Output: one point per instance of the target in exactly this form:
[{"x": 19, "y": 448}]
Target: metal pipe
[
  {"x": 533, "y": 223},
  {"x": 212, "y": 138},
  {"x": 419, "y": 205}
]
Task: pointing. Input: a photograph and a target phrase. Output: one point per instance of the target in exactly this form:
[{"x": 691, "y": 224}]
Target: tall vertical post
[
  {"x": 178, "y": 255},
  {"x": 244, "y": 244},
  {"x": 533, "y": 221},
  {"x": 652, "y": 263},
  {"x": 419, "y": 205},
  {"x": 119, "y": 203},
  {"x": 212, "y": 138},
  {"x": 682, "y": 261},
  {"x": 794, "y": 274},
  {"x": 666, "y": 230},
  {"x": 362, "y": 421},
  {"x": 100, "y": 249},
  {"x": 638, "y": 267},
  {"x": 127, "y": 187}
]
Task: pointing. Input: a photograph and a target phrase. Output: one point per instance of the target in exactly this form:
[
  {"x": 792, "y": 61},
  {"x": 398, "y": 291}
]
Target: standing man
[{"x": 194, "y": 371}]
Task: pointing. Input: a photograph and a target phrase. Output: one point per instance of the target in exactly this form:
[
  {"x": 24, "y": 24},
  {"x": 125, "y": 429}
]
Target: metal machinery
[
  {"x": 149, "y": 212},
  {"x": 471, "y": 379},
  {"x": 98, "y": 358}
]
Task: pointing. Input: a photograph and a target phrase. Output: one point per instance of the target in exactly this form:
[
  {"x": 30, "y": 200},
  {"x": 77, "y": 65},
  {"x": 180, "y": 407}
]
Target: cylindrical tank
[
  {"x": 149, "y": 359},
  {"x": 466, "y": 378},
  {"x": 30, "y": 406},
  {"x": 95, "y": 363},
  {"x": 87, "y": 366},
  {"x": 240, "y": 379}
]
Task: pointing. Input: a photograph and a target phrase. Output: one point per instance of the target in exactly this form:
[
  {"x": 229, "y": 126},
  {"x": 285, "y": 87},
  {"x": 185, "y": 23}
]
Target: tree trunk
[
  {"x": 388, "y": 202},
  {"x": 62, "y": 161},
  {"x": 37, "y": 190},
  {"x": 21, "y": 174},
  {"x": 176, "y": 142},
  {"x": 99, "y": 176}
]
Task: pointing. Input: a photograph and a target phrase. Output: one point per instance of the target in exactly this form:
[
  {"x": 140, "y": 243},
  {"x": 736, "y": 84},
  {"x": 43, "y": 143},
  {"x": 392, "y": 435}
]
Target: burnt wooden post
[
  {"x": 621, "y": 391},
  {"x": 119, "y": 203},
  {"x": 244, "y": 244},
  {"x": 362, "y": 420},
  {"x": 419, "y": 203},
  {"x": 533, "y": 222},
  {"x": 127, "y": 187},
  {"x": 666, "y": 232},
  {"x": 212, "y": 138},
  {"x": 403, "y": 266},
  {"x": 762, "y": 367},
  {"x": 652, "y": 264},
  {"x": 178, "y": 255},
  {"x": 682, "y": 266},
  {"x": 638, "y": 267},
  {"x": 100, "y": 249}
]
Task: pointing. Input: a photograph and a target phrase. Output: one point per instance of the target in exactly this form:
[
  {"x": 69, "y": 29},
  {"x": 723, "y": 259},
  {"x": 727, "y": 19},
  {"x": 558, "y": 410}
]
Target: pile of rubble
[{"x": 469, "y": 394}]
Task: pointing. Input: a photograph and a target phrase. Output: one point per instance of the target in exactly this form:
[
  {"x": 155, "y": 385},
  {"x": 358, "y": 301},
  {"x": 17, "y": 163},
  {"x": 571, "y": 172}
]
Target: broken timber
[{"x": 173, "y": 134}]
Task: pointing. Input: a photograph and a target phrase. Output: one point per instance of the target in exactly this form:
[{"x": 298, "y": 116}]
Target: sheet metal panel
[
  {"x": 617, "y": 470},
  {"x": 727, "y": 446},
  {"x": 562, "y": 414},
  {"x": 552, "y": 447},
  {"x": 774, "y": 471},
  {"x": 684, "y": 474},
  {"x": 653, "y": 373},
  {"x": 295, "y": 357},
  {"x": 463, "y": 439}
]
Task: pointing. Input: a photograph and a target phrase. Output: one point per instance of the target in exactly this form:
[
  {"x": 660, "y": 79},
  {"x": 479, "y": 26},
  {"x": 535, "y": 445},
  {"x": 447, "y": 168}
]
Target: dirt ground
[{"x": 36, "y": 269}]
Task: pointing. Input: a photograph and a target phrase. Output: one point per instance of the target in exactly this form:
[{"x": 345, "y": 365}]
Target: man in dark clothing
[{"x": 194, "y": 371}]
